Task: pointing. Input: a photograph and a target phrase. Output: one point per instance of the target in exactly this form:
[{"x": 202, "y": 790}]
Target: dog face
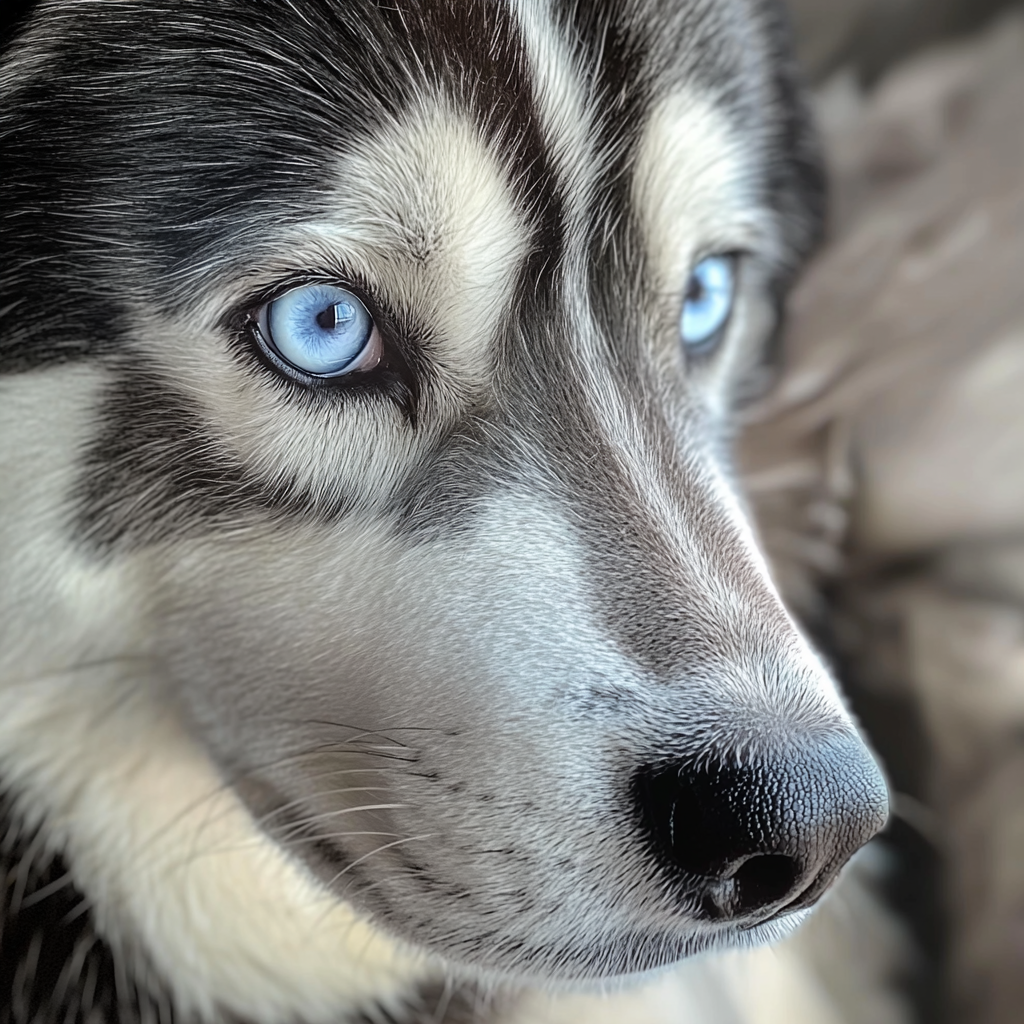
[{"x": 385, "y": 363}]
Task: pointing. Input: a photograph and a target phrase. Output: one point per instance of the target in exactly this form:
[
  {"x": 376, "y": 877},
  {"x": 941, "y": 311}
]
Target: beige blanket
[{"x": 887, "y": 468}]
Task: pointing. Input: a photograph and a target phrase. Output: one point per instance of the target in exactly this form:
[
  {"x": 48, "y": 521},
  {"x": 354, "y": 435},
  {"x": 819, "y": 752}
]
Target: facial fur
[{"x": 380, "y": 658}]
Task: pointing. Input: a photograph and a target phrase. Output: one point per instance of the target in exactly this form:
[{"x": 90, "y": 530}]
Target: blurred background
[
  {"x": 886, "y": 466},
  {"x": 870, "y": 35}
]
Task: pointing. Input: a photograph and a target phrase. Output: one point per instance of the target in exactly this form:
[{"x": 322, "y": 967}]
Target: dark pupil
[
  {"x": 695, "y": 289},
  {"x": 329, "y": 318}
]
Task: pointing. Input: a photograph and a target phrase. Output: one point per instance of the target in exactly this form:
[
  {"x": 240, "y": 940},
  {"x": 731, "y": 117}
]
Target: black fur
[{"x": 54, "y": 966}]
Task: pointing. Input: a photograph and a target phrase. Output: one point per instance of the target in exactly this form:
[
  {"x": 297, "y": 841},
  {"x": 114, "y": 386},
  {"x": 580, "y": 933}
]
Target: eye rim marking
[
  {"x": 399, "y": 377},
  {"x": 707, "y": 343}
]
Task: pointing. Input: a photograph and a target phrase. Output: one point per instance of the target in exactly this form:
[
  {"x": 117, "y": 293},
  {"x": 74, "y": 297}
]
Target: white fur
[
  {"x": 694, "y": 190},
  {"x": 564, "y": 106},
  {"x": 162, "y": 848}
]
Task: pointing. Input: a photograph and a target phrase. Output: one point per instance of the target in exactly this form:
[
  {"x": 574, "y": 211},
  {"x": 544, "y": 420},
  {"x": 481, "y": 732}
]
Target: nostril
[
  {"x": 710, "y": 820},
  {"x": 762, "y": 880},
  {"x": 758, "y": 881},
  {"x": 713, "y": 827}
]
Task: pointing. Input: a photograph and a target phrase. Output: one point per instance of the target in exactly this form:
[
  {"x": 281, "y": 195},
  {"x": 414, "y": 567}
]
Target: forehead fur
[
  {"x": 497, "y": 173},
  {"x": 188, "y": 117}
]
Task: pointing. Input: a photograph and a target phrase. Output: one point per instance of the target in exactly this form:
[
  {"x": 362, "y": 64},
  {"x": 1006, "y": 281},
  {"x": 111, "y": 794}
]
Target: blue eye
[
  {"x": 710, "y": 294},
  {"x": 321, "y": 329}
]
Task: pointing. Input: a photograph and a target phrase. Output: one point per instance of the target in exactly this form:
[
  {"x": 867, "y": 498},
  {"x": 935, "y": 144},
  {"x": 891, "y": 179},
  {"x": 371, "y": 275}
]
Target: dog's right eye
[{"x": 321, "y": 330}]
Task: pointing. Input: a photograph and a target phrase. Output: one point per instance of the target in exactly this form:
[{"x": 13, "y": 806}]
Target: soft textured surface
[
  {"x": 888, "y": 468},
  {"x": 871, "y": 34}
]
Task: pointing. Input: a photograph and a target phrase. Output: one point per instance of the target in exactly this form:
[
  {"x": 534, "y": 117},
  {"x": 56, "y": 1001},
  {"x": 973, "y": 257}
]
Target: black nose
[{"x": 750, "y": 839}]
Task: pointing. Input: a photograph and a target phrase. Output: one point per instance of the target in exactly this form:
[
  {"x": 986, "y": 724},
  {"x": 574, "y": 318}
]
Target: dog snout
[{"x": 748, "y": 841}]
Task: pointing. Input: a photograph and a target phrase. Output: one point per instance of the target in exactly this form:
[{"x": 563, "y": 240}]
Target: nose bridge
[
  {"x": 674, "y": 571},
  {"x": 667, "y": 555}
]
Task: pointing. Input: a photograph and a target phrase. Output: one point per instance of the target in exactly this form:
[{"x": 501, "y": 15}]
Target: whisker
[
  {"x": 391, "y": 750},
  {"x": 232, "y": 780},
  {"x": 330, "y": 899},
  {"x": 305, "y": 801},
  {"x": 298, "y": 826},
  {"x": 292, "y": 842},
  {"x": 339, "y": 835},
  {"x": 380, "y": 849},
  {"x": 360, "y": 732}
]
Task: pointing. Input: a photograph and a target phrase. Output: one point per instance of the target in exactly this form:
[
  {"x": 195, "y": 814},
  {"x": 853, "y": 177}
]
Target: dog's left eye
[
  {"x": 710, "y": 294},
  {"x": 322, "y": 330}
]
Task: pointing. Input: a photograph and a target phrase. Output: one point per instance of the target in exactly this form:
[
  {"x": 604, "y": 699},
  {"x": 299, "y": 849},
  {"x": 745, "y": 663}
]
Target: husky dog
[{"x": 379, "y": 622}]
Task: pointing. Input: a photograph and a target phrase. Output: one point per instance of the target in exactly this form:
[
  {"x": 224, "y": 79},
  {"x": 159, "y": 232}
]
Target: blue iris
[
  {"x": 321, "y": 329},
  {"x": 710, "y": 294}
]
